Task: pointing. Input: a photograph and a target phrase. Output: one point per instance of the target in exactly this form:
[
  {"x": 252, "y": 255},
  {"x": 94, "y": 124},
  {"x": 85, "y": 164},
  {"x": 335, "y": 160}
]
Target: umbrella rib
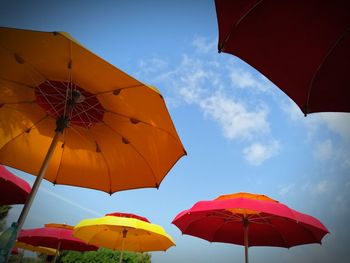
[
  {"x": 268, "y": 222},
  {"x": 28, "y": 129},
  {"x": 330, "y": 51},
  {"x": 222, "y": 46},
  {"x": 103, "y": 155},
  {"x": 18, "y": 102},
  {"x": 106, "y": 163},
  {"x": 18, "y": 83},
  {"x": 111, "y": 91},
  {"x": 309, "y": 231},
  {"x": 144, "y": 122},
  {"x": 149, "y": 166},
  {"x": 34, "y": 69}
]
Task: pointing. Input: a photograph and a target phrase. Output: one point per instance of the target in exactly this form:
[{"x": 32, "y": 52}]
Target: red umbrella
[
  {"x": 55, "y": 236},
  {"x": 14, "y": 190},
  {"x": 270, "y": 223},
  {"x": 14, "y": 251},
  {"x": 301, "y": 46}
]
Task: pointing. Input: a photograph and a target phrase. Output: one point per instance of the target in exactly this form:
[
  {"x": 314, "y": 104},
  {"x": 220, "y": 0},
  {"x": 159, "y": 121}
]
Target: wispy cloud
[
  {"x": 200, "y": 80},
  {"x": 236, "y": 120},
  {"x": 245, "y": 79},
  {"x": 324, "y": 150},
  {"x": 202, "y": 45},
  {"x": 257, "y": 153},
  {"x": 284, "y": 190}
]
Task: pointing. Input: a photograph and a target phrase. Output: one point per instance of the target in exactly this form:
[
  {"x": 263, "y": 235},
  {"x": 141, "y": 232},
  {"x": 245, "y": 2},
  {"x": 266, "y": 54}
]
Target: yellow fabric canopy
[
  {"x": 39, "y": 249},
  {"x": 122, "y": 233}
]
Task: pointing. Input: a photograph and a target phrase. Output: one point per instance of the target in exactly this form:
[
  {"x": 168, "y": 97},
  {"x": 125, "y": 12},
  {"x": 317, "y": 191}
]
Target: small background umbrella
[
  {"x": 250, "y": 220},
  {"x": 14, "y": 190},
  {"x": 301, "y": 46},
  {"x": 56, "y": 236},
  {"x": 122, "y": 231},
  {"x": 38, "y": 249}
]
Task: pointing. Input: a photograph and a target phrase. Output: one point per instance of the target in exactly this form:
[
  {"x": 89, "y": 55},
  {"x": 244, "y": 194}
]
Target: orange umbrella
[{"x": 112, "y": 132}]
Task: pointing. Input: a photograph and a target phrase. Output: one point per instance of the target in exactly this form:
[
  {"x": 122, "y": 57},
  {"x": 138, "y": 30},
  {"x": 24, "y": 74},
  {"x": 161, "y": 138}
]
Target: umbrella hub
[{"x": 69, "y": 104}]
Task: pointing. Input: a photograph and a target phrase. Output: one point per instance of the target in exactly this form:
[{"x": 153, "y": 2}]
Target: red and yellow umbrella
[
  {"x": 123, "y": 231},
  {"x": 250, "y": 220}
]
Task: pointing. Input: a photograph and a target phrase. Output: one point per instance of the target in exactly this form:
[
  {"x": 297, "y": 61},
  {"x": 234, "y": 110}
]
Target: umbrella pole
[
  {"x": 245, "y": 224},
  {"x": 121, "y": 255},
  {"x": 8, "y": 237},
  {"x": 38, "y": 180},
  {"x": 57, "y": 252},
  {"x": 124, "y": 232}
]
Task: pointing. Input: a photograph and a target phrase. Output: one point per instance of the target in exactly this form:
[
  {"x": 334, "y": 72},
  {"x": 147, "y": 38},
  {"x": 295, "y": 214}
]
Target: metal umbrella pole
[
  {"x": 122, "y": 252},
  {"x": 246, "y": 242}
]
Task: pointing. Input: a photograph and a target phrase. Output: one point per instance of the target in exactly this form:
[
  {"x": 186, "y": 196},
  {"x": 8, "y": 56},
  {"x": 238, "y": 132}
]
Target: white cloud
[
  {"x": 257, "y": 153},
  {"x": 324, "y": 150},
  {"x": 338, "y": 123},
  {"x": 286, "y": 189},
  {"x": 236, "y": 120},
  {"x": 203, "y": 45},
  {"x": 245, "y": 79},
  {"x": 322, "y": 187},
  {"x": 199, "y": 80},
  {"x": 152, "y": 65}
]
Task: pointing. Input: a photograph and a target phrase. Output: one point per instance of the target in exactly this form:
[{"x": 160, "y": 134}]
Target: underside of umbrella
[{"x": 301, "y": 46}]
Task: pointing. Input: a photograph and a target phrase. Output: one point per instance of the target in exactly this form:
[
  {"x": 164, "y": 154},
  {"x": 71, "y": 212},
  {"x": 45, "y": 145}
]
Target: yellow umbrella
[
  {"x": 39, "y": 249},
  {"x": 120, "y": 231},
  {"x": 112, "y": 132}
]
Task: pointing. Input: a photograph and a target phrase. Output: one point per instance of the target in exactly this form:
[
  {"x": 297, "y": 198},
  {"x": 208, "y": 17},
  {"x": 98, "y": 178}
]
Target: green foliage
[
  {"x": 103, "y": 255},
  {"x": 4, "y": 210}
]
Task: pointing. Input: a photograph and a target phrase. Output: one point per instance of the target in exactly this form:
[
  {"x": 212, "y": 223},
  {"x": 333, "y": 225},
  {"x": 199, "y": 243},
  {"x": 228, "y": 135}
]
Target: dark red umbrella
[
  {"x": 55, "y": 236},
  {"x": 301, "y": 46},
  {"x": 14, "y": 251},
  {"x": 270, "y": 223},
  {"x": 14, "y": 190}
]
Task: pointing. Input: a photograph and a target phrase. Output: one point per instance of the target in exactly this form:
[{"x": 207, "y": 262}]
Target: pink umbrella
[
  {"x": 14, "y": 190},
  {"x": 250, "y": 220}
]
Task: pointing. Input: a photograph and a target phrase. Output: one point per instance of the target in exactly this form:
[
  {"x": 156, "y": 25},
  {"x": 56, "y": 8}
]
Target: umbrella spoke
[
  {"x": 144, "y": 122},
  {"x": 17, "y": 83},
  {"x": 125, "y": 140}
]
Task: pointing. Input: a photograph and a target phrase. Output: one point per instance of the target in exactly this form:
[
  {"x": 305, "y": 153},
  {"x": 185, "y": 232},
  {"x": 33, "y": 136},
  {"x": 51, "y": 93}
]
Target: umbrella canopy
[
  {"x": 117, "y": 133},
  {"x": 54, "y": 236},
  {"x": 14, "y": 190},
  {"x": 112, "y": 132},
  {"x": 301, "y": 46},
  {"x": 270, "y": 223},
  {"x": 119, "y": 231},
  {"x": 14, "y": 251},
  {"x": 38, "y": 249}
]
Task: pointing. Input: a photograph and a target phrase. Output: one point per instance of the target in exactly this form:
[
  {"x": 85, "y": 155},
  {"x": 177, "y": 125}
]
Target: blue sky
[{"x": 241, "y": 132}]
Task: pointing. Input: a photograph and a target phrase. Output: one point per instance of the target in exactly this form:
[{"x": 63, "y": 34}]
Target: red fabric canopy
[
  {"x": 271, "y": 223},
  {"x": 128, "y": 215},
  {"x": 54, "y": 237},
  {"x": 14, "y": 190},
  {"x": 301, "y": 46}
]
